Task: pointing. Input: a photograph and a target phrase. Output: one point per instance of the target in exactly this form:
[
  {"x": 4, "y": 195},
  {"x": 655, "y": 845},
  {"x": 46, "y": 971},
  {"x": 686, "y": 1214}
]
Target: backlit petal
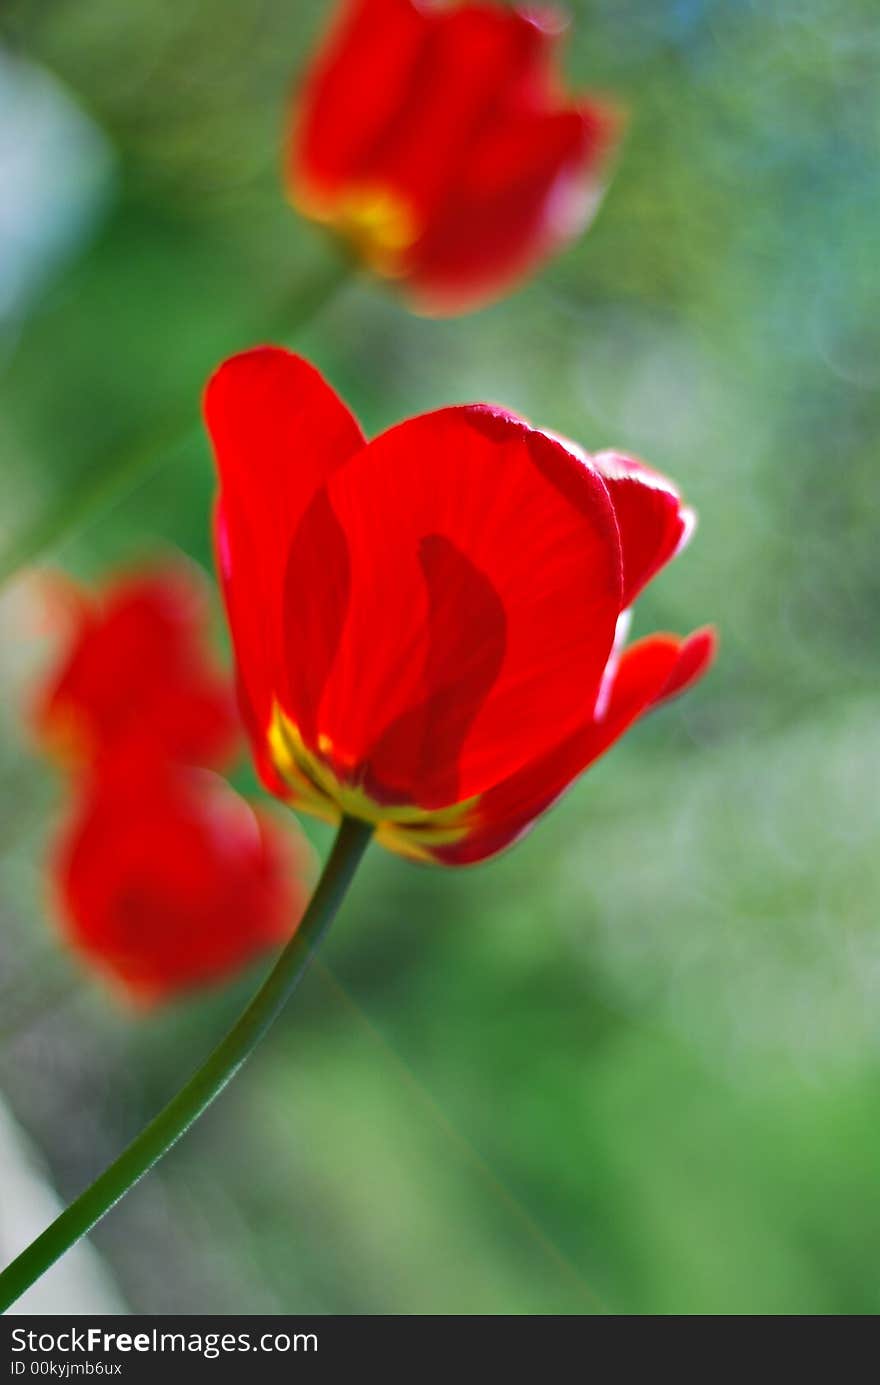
[
  {"x": 654, "y": 522},
  {"x": 483, "y": 596},
  {"x": 278, "y": 432},
  {"x": 503, "y": 815}
]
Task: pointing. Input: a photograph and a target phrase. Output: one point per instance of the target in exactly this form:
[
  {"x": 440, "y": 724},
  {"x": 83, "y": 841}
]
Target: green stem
[
  {"x": 205, "y": 1084},
  {"x": 108, "y": 481}
]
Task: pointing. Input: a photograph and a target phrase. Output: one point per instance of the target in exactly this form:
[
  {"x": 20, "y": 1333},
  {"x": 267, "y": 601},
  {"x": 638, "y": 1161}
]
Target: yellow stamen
[
  {"x": 314, "y": 788},
  {"x": 378, "y": 223}
]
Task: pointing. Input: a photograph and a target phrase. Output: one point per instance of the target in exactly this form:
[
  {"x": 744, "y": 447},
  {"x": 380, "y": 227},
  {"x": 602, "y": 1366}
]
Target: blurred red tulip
[
  {"x": 135, "y": 665},
  {"x": 437, "y": 141},
  {"x": 167, "y": 880},
  {"x": 428, "y": 626}
]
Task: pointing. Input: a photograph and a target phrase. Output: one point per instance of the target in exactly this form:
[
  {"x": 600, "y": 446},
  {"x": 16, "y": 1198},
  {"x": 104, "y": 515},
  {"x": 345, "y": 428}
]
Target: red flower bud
[
  {"x": 428, "y": 626},
  {"x": 436, "y": 140},
  {"x": 167, "y": 879}
]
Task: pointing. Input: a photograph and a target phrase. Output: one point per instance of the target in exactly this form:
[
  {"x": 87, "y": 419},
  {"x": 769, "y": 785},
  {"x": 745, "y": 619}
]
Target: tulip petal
[
  {"x": 466, "y": 643},
  {"x": 647, "y": 671},
  {"x": 312, "y": 630},
  {"x": 361, "y": 80},
  {"x": 485, "y": 580},
  {"x": 654, "y": 522},
  {"x": 397, "y": 80},
  {"x": 694, "y": 659},
  {"x": 471, "y": 60},
  {"x": 524, "y": 187},
  {"x": 278, "y": 431},
  {"x": 135, "y": 664}
]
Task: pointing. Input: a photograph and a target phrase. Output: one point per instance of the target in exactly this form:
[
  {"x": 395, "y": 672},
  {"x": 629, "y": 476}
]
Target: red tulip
[
  {"x": 168, "y": 880},
  {"x": 437, "y": 141},
  {"x": 428, "y": 626},
  {"x": 135, "y": 664}
]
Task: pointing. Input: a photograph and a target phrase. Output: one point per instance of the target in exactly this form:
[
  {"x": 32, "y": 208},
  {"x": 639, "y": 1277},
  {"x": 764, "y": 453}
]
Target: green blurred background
[{"x": 632, "y": 1067}]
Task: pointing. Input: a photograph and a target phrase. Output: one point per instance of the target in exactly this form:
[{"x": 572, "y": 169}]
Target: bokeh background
[{"x": 634, "y": 1066}]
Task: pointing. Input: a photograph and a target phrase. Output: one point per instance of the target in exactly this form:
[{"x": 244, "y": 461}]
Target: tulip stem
[
  {"x": 207, "y": 1082},
  {"x": 108, "y": 481}
]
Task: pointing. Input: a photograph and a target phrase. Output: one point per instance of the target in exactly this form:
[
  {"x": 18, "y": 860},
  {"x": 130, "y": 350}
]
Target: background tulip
[
  {"x": 436, "y": 141},
  {"x": 167, "y": 880},
  {"x": 134, "y": 663}
]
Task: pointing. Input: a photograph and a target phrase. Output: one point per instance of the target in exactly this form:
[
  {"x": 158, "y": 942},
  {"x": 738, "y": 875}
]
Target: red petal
[
  {"x": 357, "y": 87},
  {"x": 471, "y": 59},
  {"x": 484, "y": 590},
  {"x": 313, "y": 630},
  {"x": 278, "y": 431},
  {"x": 654, "y": 522},
  {"x": 466, "y": 643},
  {"x": 694, "y": 660},
  {"x": 508, "y": 811},
  {"x": 136, "y": 665},
  {"x": 525, "y": 187},
  {"x": 399, "y": 92}
]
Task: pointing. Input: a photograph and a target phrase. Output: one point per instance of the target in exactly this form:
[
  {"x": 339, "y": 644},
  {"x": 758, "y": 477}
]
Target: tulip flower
[
  {"x": 135, "y": 665},
  {"x": 436, "y": 140},
  {"x": 429, "y": 627},
  {"x": 167, "y": 880}
]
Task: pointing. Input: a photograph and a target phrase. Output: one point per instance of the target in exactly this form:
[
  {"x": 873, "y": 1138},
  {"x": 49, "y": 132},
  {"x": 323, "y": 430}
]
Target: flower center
[
  {"x": 378, "y": 223},
  {"x": 316, "y": 788}
]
